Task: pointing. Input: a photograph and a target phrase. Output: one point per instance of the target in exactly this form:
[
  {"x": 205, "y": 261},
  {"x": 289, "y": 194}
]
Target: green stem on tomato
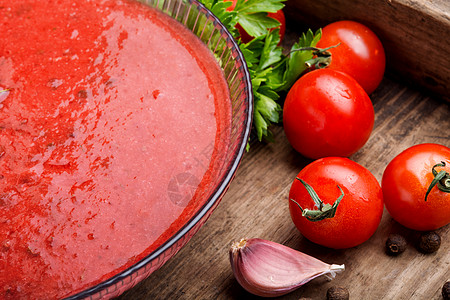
[
  {"x": 324, "y": 211},
  {"x": 321, "y": 57},
  {"x": 441, "y": 179}
]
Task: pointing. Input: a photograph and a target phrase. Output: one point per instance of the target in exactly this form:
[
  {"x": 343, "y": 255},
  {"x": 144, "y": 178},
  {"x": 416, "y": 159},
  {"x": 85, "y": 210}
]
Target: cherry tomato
[
  {"x": 358, "y": 213},
  {"x": 406, "y": 180},
  {"x": 327, "y": 113},
  {"x": 279, "y": 16},
  {"x": 360, "y": 53}
]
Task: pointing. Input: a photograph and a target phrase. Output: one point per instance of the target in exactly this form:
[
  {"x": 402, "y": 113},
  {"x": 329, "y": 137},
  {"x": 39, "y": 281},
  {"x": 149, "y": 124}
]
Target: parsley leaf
[
  {"x": 252, "y": 15},
  {"x": 263, "y": 52},
  {"x": 228, "y": 18},
  {"x": 258, "y": 6}
]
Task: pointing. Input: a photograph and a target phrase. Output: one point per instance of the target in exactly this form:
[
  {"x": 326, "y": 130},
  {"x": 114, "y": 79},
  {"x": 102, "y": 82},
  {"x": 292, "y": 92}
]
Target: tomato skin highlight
[
  {"x": 360, "y": 53},
  {"x": 359, "y": 212},
  {"x": 327, "y": 113},
  {"x": 405, "y": 182}
]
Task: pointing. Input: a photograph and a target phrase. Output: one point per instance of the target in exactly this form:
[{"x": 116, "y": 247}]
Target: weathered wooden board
[
  {"x": 256, "y": 205},
  {"x": 415, "y": 33}
]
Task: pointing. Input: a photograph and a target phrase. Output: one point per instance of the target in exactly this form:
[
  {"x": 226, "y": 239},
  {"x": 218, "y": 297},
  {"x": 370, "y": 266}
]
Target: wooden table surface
[{"x": 256, "y": 205}]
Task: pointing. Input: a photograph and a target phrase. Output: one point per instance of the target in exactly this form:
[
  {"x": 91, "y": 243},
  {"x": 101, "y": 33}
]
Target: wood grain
[
  {"x": 415, "y": 33},
  {"x": 256, "y": 205}
]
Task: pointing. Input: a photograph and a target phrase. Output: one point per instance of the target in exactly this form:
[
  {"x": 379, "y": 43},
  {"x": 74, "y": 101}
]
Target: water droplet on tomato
[
  {"x": 351, "y": 178},
  {"x": 343, "y": 92}
]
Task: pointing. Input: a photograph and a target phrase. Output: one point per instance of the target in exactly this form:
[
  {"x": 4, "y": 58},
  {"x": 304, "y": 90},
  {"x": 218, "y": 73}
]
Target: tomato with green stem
[
  {"x": 359, "y": 53},
  {"x": 336, "y": 203},
  {"x": 416, "y": 187},
  {"x": 327, "y": 113}
]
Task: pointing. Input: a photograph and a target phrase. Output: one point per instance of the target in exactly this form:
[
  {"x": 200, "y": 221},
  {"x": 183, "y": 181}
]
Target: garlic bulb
[{"x": 269, "y": 269}]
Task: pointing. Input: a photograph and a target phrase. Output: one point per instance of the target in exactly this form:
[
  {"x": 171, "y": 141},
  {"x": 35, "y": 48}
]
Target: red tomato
[
  {"x": 359, "y": 212},
  {"x": 327, "y": 113},
  {"x": 279, "y": 16},
  {"x": 405, "y": 182},
  {"x": 360, "y": 53}
]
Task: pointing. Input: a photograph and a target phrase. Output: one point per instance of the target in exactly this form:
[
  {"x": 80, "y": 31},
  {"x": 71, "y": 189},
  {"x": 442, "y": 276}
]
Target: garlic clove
[{"x": 269, "y": 269}]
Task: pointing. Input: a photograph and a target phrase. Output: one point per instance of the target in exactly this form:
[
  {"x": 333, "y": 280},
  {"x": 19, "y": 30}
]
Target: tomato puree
[{"x": 113, "y": 122}]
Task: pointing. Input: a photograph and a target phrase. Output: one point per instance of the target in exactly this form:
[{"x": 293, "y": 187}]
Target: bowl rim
[{"x": 217, "y": 193}]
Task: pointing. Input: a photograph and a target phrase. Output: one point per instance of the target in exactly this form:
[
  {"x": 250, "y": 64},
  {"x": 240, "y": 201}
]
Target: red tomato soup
[{"x": 113, "y": 123}]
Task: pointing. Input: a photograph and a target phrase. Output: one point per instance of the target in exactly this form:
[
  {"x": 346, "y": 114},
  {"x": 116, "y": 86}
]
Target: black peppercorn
[
  {"x": 446, "y": 291},
  {"x": 395, "y": 244},
  {"x": 429, "y": 242},
  {"x": 337, "y": 293}
]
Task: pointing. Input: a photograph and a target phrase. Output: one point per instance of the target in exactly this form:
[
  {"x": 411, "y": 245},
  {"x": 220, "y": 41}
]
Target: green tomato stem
[
  {"x": 321, "y": 57},
  {"x": 441, "y": 180},
  {"x": 323, "y": 211}
]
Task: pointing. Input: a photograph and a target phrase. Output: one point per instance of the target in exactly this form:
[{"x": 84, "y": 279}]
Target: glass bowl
[{"x": 216, "y": 37}]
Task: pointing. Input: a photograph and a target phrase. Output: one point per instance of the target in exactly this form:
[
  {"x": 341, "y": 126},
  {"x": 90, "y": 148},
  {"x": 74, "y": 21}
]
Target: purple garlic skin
[{"x": 269, "y": 269}]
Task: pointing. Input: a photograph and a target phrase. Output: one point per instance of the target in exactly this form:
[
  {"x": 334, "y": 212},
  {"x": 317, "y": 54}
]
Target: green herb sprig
[{"x": 271, "y": 71}]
